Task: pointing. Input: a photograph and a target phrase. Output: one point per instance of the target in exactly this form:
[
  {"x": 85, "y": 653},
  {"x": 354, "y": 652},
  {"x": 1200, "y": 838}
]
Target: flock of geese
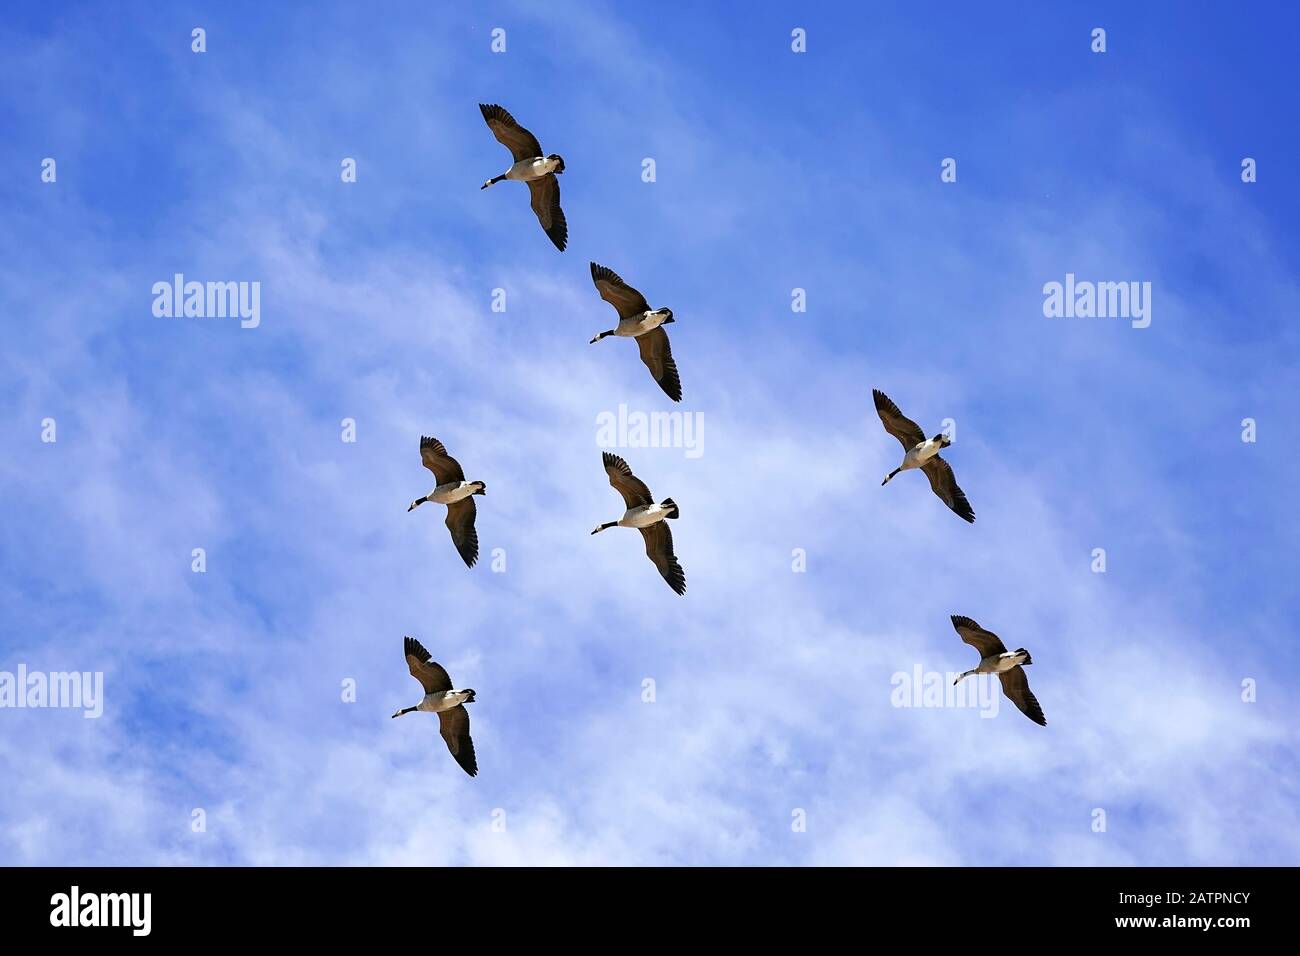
[{"x": 637, "y": 320}]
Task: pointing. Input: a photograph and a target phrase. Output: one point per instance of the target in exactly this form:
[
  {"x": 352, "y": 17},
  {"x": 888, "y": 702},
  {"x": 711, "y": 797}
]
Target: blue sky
[{"x": 775, "y": 171}]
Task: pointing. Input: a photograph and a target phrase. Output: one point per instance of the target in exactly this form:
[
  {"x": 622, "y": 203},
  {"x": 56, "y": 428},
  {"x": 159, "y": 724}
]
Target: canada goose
[
  {"x": 456, "y": 493},
  {"x": 440, "y": 699},
  {"x": 996, "y": 659},
  {"x": 637, "y": 320},
  {"x": 530, "y": 167},
  {"x": 923, "y": 454},
  {"x": 643, "y": 513}
]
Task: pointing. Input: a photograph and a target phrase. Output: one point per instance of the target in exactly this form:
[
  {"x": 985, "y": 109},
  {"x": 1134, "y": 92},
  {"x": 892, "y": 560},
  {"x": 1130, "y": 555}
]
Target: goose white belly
[
  {"x": 528, "y": 169},
  {"x": 643, "y": 516},
  {"x": 997, "y": 663},
  {"x": 451, "y": 492},
  {"x": 918, "y": 455},
  {"x": 639, "y": 324},
  {"x": 441, "y": 700}
]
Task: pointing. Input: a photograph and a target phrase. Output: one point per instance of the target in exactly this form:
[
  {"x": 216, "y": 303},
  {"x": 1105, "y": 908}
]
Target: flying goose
[
  {"x": 456, "y": 493},
  {"x": 440, "y": 699},
  {"x": 643, "y": 513},
  {"x": 923, "y": 454},
  {"x": 636, "y": 319},
  {"x": 530, "y": 167},
  {"x": 996, "y": 659}
]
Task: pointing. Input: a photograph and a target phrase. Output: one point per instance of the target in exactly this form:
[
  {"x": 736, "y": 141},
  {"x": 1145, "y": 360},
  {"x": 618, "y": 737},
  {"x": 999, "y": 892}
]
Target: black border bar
[{"x": 335, "y": 905}]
